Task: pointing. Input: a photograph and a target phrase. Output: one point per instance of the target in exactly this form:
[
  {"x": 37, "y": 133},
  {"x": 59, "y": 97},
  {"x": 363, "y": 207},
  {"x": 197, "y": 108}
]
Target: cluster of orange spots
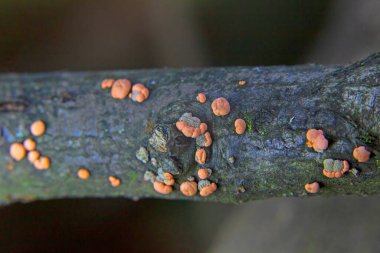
[
  {"x": 204, "y": 173},
  {"x": 204, "y": 140},
  {"x": 201, "y": 98},
  {"x": 189, "y": 188},
  {"x": 18, "y": 151},
  {"x": 139, "y": 93},
  {"x": 361, "y": 154},
  {"x": 200, "y": 156},
  {"x": 335, "y": 168},
  {"x": 190, "y": 126},
  {"x": 316, "y": 140},
  {"x": 114, "y": 181},
  {"x": 241, "y": 82},
  {"x": 83, "y": 173},
  {"x": 220, "y": 106},
  {"x": 240, "y": 126},
  {"x": 206, "y": 188},
  {"x": 312, "y": 187},
  {"x": 120, "y": 89}
]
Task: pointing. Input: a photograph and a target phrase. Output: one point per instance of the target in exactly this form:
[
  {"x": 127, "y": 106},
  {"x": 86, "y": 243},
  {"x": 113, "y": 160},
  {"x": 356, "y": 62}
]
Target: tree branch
[{"x": 86, "y": 127}]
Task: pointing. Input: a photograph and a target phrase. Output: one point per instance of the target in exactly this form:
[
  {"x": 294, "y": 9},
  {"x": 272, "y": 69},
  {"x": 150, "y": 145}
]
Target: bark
[{"x": 87, "y": 128}]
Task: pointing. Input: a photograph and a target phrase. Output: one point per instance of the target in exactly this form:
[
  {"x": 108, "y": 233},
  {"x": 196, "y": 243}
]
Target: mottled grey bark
[{"x": 87, "y": 128}]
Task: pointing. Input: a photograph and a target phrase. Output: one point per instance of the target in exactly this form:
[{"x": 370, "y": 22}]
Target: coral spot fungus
[
  {"x": 17, "y": 151},
  {"x": 242, "y": 82},
  {"x": 204, "y": 173},
  {"x": 189, "y": 125},
  {"x": 43, "y": 163},
  {"x": 200, "y": 156},
  {"x": 201, "y": 98},
  {"x": 38, "y": 128},
  {"x": 335, "y": 168},
  {"x": 204, "y": 140},
  {"x": 33, "y": 156},
  {"x": 316, "y": 140},
  {"x": 121, "y": 88},
  {"x": 220, "y": 106},
  {"x": 30, "y": 144},
  {"x": 189, "y": 188},
  {"x": 168, "y": 178},
  {"x": 114, "y": 181},
  {"x": 83, "y": 173},
  {"x": 240, "y": 126},
  {"x": 107, "y": 83},
  {"x": 361, "y": 154},
  {"x": 139, "y": 92},
  {"x": 206, "y": 188},
  {"x": 312, "y": 187},
  {"x": 162, "y": 188}
]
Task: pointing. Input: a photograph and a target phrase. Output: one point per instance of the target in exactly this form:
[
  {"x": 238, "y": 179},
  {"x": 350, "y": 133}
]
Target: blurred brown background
[{"x": 45, "y": 35}]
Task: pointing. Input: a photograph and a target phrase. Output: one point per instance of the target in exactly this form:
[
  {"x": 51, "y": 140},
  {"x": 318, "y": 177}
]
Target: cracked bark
[{"x": 87, "y": 128}]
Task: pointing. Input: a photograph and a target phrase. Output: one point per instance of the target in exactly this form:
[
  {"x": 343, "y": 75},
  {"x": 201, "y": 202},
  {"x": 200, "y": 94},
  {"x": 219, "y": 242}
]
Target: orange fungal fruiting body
[
  {"x": 206, "y": 188},
  {"x": 240, "y": 126},
  {"x": 201, "y": 98},
  {"x": 114, "y": 181},
  {"x": 33, "y": 156},
  {"x": 83, "y": 174},
  {"x": 17, "y": 151},
  {"x": 189, "y": 188},
  {"x": 312, "y": 187},
  {"x": 43, "y": 163},
  {"x": 38, "y": 128},
  {"x": 316, "y": 140},
  {"x": 220, "y": 106},
  {"x": 30, "y": 144},
  {"x": 121, "y": 88},
  {"x": 139, "y": 92},
  {"x": 203, "y": 173},
  {"x": 361, "y": 154},
  {"x": 107, "y": 83},
  {"x": 169, "y": 179},
  {"x": 190, "y": 126},
  {"x": 200, "y": 156},
  {"x": 162, "y": 188},
  {"x": 241, "y": 82},
  {"x": 335, "y": 168}
]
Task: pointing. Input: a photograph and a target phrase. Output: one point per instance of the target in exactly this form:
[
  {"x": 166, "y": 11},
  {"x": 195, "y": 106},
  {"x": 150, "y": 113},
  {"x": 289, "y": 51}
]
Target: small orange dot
[
  {"x": 241, "y": 82},
  {"x": 201, "y": 98},
  {"x": 17, "y": 151},
  {"x": 83, "y": 174},
  {"x": 121, "y": 88},
  {"x": 33, "y": 156},
  {"x": 42, "y": 164},
  {"x": 107, "y": 83},
  {"x": 114, "y": 181},
  {"x": 30, "y": 144},
  {"x": 38, "y": 128},
  {"x": 203, "y": 173}
]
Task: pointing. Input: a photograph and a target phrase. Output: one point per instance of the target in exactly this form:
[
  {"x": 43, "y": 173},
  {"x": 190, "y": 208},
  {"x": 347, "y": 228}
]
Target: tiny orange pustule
[
  {"x": 312, "y": 187},
  {"x": 114, "y": 181},
  {"x": 107, "y": 83},
  {"x": 162, "y": 188},
  {"x": 361, "y": 154},
  {"x": 43, "y": 163},
  {"x": 201, "y": 98},
  {"x": 240, "y": 126},
  {"x": 189, "y": 188},
  {"x": 220, "y": 106},
  {"x": 203, "y": 173},
  {"x": 33, "y": 156},
  {"x": 83, "y": 173},
  {"x": 121, "y": 88},
  {"x": 17, "y": 151},
  {"x": 30, "y": 144},
  {"x": 241, "y": 82},
  {"x": 38, "y": 128}
]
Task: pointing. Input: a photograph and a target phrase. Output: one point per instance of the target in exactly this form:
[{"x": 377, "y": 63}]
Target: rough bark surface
[{"x": 86, "y": 127}]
